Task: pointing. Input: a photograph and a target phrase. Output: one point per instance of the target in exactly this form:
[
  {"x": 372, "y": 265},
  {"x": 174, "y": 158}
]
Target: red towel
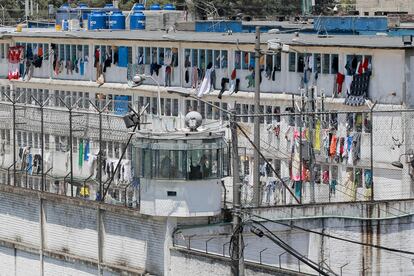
[
  {"x": 233, "y": 74},
  {"x": 360, "y": 71},
  {"x": 339, "y": 81},
  {"x": 365, "y": 64}
]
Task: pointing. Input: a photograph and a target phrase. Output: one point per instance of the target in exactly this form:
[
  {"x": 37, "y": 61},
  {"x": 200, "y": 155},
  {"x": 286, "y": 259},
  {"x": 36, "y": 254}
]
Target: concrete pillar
[
  {"x": 42, "y": 219},
  {"x": 100, "y": 230}
]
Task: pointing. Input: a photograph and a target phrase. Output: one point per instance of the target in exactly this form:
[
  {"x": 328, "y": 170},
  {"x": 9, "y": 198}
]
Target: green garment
[{"x": 80, "y": 156}]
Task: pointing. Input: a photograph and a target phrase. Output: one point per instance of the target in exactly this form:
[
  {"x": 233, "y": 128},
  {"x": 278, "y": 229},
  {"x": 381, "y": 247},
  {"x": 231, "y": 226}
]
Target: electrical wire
[
  {"x": 236, "y": 246},
  {"x": 336, "y": 237},
  {"x": 291, "y": 250}
]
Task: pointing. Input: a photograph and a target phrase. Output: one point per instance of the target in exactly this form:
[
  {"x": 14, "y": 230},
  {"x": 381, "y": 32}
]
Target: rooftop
[{"x": 357, "y": 41}]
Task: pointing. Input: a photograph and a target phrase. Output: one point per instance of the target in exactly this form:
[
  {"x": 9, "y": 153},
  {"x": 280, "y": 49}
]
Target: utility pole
[
  {"x": 256, "y": 139},
  {"x": 237, "y": 268}
]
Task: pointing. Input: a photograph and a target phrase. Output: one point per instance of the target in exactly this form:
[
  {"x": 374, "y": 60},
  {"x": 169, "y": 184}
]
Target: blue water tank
[
  {"x": 138, "y": 7},
  {"x": 137, "y": 21},
  {"x": 155, "y": 7},
  {"x": 169, "y": 7},
  {"x": 64, "y": 7},
  {"x": 116, "y": 21},
  {"x": 108, "y": 6},
  {"x": 84, "y": 10},
  {"x": 65, "y": 12},
  {"x": 97, "y": 20}
]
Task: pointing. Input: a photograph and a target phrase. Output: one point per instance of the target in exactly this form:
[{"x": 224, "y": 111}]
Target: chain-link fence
[
  {"x": 67, "y": 146},
  {"x": 306, "y": 157},
  {"x": 330, "y": 157}
]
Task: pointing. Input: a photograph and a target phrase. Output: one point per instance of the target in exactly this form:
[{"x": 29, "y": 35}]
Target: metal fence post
[
  {"x": 260, "y": 255},
  {"x": 42, "y": 139},
  {"x": 100, "y": 153},
  {"x": 372, "y": 152},
  {"x": 207, "y": 241},
  {"x": 70, "y": 109},
  {"x": 13, "y": 100}
]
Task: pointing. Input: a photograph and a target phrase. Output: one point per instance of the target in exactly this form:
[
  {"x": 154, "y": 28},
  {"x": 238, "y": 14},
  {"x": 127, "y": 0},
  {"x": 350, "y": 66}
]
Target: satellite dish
[{"x": 193, "y": 120}]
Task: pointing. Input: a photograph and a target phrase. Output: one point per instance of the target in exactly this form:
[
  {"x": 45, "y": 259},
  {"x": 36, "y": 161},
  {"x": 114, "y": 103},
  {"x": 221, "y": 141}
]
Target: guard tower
[{"x": 180, "y": 172}]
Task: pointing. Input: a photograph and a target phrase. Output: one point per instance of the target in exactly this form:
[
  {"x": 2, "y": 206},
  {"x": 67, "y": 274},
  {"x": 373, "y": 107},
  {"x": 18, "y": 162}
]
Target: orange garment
[
  {"x": 332, "y": 147},
  {"x": 262, "y": 60},
  {"x": 246, "y": 58},
  {"x": 40, "y": 51}
]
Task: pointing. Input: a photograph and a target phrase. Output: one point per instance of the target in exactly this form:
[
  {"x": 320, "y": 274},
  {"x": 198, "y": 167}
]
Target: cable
[
  {"x": 336, "y": 237},
  {"x": 289, "y": 249},
  {"x": 235, "y": 244}
]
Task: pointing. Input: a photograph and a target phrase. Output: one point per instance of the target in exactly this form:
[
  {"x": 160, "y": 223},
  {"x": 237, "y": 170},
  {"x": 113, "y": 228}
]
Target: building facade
[
  {"x": 64, "y": 95},
  {"x": 373, "y": 7}
]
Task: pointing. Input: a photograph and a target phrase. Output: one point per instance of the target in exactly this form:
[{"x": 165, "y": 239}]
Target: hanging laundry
[
  {"x": 107, "y": 62},
  {"x": 359, "y": 68},
  {"x": 97, "y": 57},
  {"x": 332, "y": 147},
  {"x": 100, "y": 79},
  {"x": 86, "y": 151},
  {"x": 167, "y": 75},
  {"x": 358, "y": 89},
  {"x": 339, "y": 81},
  {"x": 298, "y": 189},
  {"x": 317, "y": 136},
  {"x": 368, "y": 179},
  {"x": 81, "y": 67},
  {"x": 350, "y": 187},
  {"x": 194, "y": 81},
  {"x": 234, "y": 86},
  {"x": 168, "y": 57},
  {"x": 251, "y": 78},
  {"x": 187, "y": 76},
  {"x": 274, "y": 73},
  {"x": 356, "y": 147},
  {"x": 205, "y": 86},
  {"x": 349, "y": 143},
  {"x": 123, "y": 57},
  {"x": 155, "y": 68},
  {"x": 325, "y": 177},
  {"x": 268, "y": 72},
  {"x": 365, "y": 65},
  {"x": 30, "y": 164},
  {"x": 213, "y": 79},
  {"x": 80, "y": 154},
  {"x": 332, "y": 186},
  {"x": 310, "y": 64},
  {"x": 326, "y": 145},
  {"x": 348, "y": 83}
]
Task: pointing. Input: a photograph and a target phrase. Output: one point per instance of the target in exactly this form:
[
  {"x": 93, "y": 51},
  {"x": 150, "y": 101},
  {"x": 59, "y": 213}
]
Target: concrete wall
[
  {"x": 188, "y": 263},
  {"x": 388, "y": 224},
  {"x": 371, "y": 6},
  {"x": 61, "y": 236}
]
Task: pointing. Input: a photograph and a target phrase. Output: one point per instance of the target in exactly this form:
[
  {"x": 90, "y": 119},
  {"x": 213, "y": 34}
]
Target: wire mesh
[
  {"x": 71, "y": 131},
  {"x": 331, "y": 157}
]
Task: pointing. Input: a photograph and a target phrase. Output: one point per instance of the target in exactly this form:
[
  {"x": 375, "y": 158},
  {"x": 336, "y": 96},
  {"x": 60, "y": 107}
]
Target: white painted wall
[
  {"x": 129, "y": 240},
  {"x": 194, "y": 198}
]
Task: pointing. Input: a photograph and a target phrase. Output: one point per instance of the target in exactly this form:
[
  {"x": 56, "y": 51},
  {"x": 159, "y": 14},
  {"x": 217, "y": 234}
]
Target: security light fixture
[
  {"x": 256, "y": 231},
  {"x": 400, "y": 165},
  {"x": 131, "y": 120}
]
